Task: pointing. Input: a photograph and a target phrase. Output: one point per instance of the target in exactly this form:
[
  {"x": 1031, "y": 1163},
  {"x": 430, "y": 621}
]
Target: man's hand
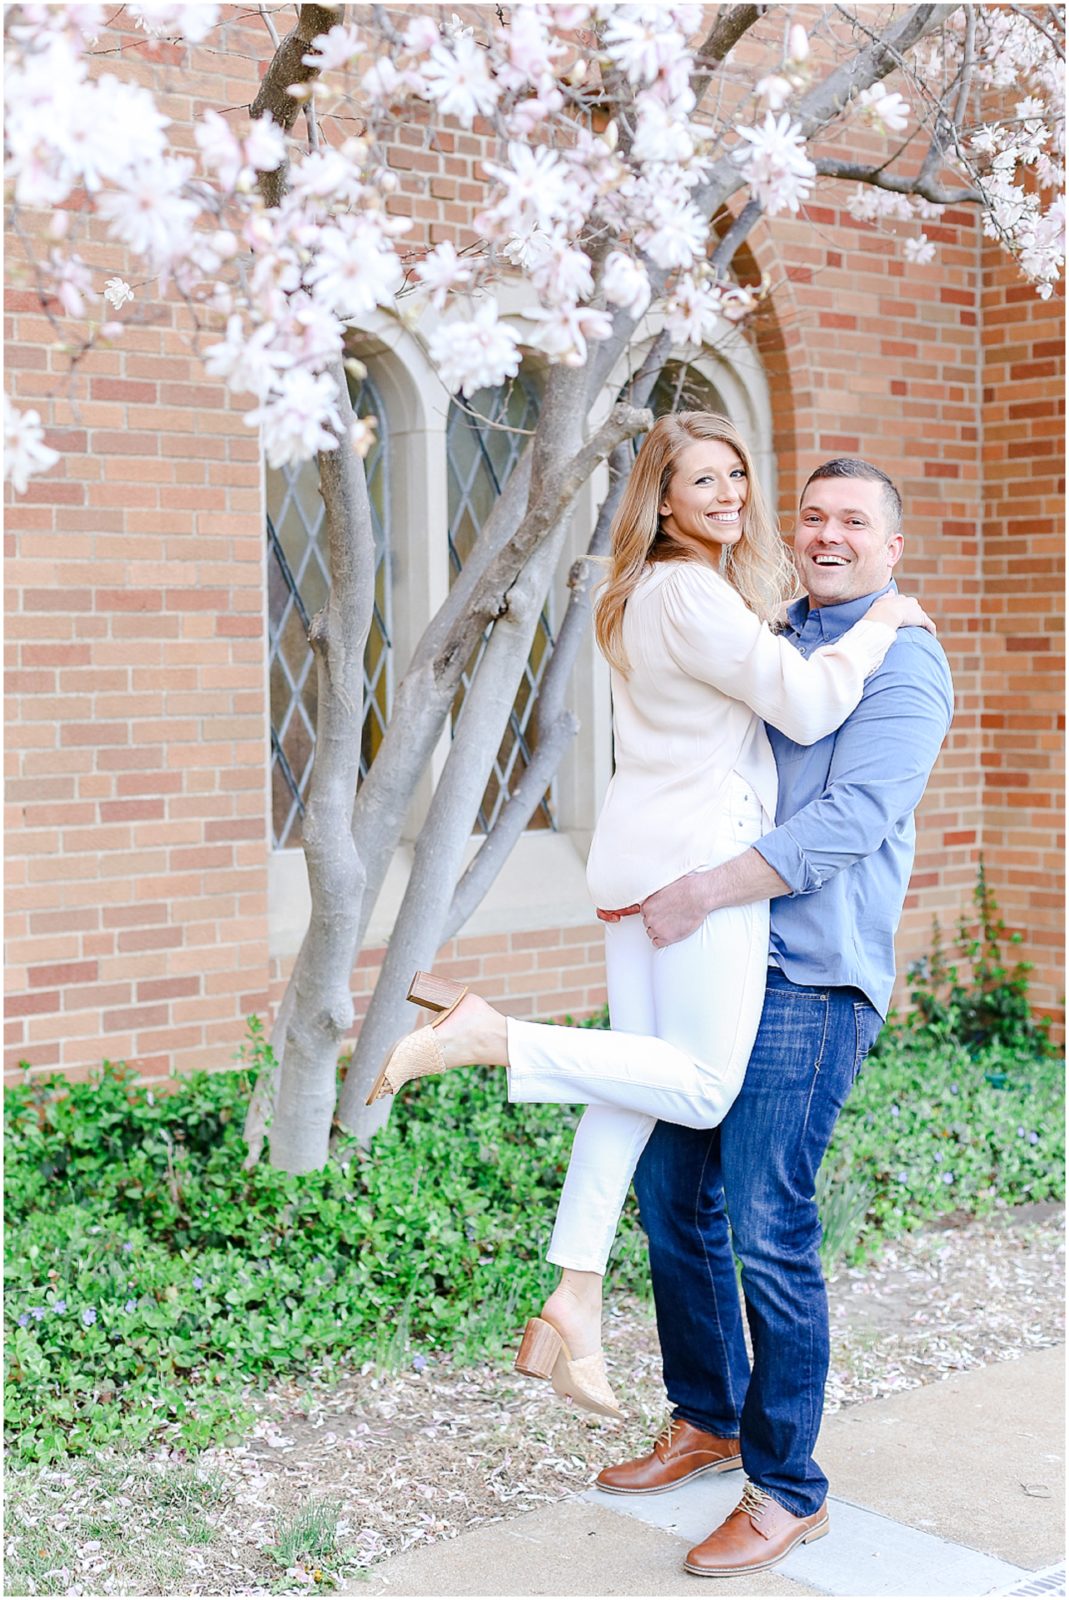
[{"x": 675, "y": 911}]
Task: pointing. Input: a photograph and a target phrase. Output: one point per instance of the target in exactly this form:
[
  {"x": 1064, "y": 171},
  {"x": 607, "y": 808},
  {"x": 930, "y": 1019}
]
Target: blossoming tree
[{"x": 634, "y": 154}]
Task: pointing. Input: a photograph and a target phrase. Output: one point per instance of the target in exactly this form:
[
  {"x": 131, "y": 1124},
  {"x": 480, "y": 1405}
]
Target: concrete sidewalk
[{"x": 953, "y": 1489}]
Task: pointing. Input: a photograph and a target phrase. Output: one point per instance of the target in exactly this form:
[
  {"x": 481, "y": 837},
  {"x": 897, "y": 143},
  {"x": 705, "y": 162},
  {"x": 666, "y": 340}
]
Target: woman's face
[{"x": 702, "y": 508}]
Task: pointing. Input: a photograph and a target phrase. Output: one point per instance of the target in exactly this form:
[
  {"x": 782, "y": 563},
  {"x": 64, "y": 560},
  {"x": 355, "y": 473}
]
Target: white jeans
[{"x": 684, "y": 1020}]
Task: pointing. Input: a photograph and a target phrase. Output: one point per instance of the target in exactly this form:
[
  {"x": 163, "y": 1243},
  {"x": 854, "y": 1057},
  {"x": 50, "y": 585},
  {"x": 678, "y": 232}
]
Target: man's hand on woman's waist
[{"x": 675, "y": 911}]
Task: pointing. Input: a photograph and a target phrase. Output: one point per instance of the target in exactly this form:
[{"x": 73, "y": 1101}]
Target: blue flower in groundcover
[
  {"x": 38, "y": 1313},
  {"x": 128, "y": 1246},
  {"x": 131, "y": 1305},
  {"x": 1033, "y": 1138},
  {"x": 24, "y": 1319},
  {"x": 59, "y": 1307},
  {"x": 198, "y": 1283},
  {"x": 89, "y": 1316},
  {"x": 419, "y": 1363},
  {"x": 948, "y": 1177}
]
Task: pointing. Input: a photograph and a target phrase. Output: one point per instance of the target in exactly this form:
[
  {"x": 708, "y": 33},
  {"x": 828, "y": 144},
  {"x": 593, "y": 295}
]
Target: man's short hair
[{"x": 851, "y": 467}]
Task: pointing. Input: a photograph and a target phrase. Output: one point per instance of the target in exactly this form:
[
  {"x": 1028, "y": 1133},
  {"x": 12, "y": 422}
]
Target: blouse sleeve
[{"x": 712, "y": 636}]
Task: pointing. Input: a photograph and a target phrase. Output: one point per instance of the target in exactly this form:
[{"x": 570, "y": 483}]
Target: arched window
[
  {"x": 485, "y": 437},
  {"x": 298, "y": 582}
]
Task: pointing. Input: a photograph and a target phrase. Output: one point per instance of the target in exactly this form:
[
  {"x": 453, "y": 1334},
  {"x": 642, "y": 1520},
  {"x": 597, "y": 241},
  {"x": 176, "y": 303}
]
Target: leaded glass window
[
  {"x": 298, "y": 582},
  {"x": 481, "y": 453}
]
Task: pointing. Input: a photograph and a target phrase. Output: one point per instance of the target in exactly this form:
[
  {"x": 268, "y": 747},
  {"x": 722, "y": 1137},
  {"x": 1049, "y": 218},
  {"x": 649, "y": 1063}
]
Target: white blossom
[
  {"x": 116, "y": 292},
  {"x": 163, "y": 21},
  {"x": 662, "y": 134},
  {"x": 537, "y": 191},
  {"x": 797, "y": 43},
  {"x": 337, "y": 49},
  {"x": 778, "y": 169},
  {"x": 919, "y": 250},
  {"x": 479, "y": 354},
  {"x": 250, "y": 363},
  {"x": 564, "y": 330},
  {"x": 457, "y": 78},
  {"x": 637, "y": 41},
  {"x": 354, "y": 270},
  {"x": 440, "y": 271},
  {"x": 675, "y": 235},
  {"x": 25, "y": 452},
  {"x": 625, "y": 284},
  {"x": 692, "y": 311},
  {"x": 299, "y": 418},
  {"x": 886, "y": 110},
  {"x": 150, "y": 214},
  {"x": 774, "y": 91}
]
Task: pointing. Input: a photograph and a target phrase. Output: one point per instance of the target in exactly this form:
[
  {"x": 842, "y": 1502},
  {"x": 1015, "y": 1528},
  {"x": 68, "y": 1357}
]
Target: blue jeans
[{"x": 749, "y": 1184}]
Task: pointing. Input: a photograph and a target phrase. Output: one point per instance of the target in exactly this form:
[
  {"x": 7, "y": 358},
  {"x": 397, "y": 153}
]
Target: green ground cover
[{"x": 149, "y": 1277}]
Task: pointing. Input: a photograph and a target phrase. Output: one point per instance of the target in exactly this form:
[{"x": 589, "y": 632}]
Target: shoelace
[
  {"x": 753, "y": 1500},
  {"x": 664, "y": 1438}
]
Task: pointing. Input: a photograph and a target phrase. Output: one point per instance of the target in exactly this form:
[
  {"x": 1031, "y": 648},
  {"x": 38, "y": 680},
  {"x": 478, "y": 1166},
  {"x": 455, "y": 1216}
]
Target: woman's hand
[{"x": 901, "y": 611}]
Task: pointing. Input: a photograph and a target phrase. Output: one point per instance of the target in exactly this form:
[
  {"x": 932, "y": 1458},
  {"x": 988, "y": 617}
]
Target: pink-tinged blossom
[
  {"x": 537, "y": 190},
  {"x": 529, "y": 51},
  {"x": 25, "y": 452},
  {"x": 625, "y": 284},
  {"x": 919, "y": 250},
  {"x": 886, "y": 111},
  {"x": 149, "y": 214},
  {"x": 442, "y": 271},
  {"x": 362, "y": 435},
  {"x": 299, "y": 419},
  {"x": 529, "y": 114},
  {"x": 774, "y": 91},
  {"x": 336, "y": 50},
  {"x": 116, "y": 292},
  {"x": 421, "y": 36},
  {"x": 479, "y": 354},
  {"x": 458, "y": 79},
  {"x": 354, "y": 271},
  {"x": 778, "y": 169},
  {"x": 71, "y": 280},
  {"x": 164, "y": 21},
  {"x": 219, "y": 148}
]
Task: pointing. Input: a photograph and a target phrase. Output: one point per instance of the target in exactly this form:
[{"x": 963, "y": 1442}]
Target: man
[{"x": 836, "y": 868}]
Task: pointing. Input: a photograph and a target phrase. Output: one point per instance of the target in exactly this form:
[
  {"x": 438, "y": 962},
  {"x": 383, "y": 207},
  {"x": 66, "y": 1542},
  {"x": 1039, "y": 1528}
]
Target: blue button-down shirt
[{"x": 844, "y": 836}]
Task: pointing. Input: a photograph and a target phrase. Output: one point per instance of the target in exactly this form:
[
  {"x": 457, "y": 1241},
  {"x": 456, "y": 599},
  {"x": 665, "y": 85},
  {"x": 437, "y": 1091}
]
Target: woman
[{"x": 697, "y": 573}]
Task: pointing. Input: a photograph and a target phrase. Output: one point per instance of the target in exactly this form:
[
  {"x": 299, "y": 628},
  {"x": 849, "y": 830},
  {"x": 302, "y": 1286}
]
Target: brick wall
[
  {"x": 1021, "y": 625},
  {"x": 137, "y": 736}
]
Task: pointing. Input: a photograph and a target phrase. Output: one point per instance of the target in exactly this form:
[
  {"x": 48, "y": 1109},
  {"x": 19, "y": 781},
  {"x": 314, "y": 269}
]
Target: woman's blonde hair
[{"x": 759, "y": 566}]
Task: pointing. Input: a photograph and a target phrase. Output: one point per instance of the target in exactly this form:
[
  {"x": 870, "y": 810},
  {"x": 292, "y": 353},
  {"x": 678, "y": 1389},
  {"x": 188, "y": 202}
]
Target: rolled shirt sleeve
[{"x": 880, "y": 764}]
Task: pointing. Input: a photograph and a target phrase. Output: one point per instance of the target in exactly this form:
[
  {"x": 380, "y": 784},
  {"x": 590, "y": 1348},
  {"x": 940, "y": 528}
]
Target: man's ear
[{"x": 895, "y": 546}]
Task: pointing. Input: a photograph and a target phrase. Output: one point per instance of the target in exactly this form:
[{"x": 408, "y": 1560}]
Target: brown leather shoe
[
  {"x": 759, "y": 1533},
  {"x": 680, "y": 1453}
]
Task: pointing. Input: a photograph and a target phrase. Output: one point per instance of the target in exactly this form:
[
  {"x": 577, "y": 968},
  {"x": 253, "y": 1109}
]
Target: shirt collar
[{"x": 831, "y": 622}]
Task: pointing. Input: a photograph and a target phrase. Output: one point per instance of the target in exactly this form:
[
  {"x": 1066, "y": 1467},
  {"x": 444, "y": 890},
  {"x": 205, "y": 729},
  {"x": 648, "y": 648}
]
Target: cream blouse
[{"x": 705, "y": 676}]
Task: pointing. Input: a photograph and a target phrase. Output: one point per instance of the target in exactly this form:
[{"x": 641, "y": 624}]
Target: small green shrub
[{"x": 990, "y": 1004}]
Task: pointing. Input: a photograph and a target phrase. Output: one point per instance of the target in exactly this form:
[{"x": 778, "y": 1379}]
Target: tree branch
[
  {"x": 286, "y": 68},
  {"x": 881, "y": 179}
]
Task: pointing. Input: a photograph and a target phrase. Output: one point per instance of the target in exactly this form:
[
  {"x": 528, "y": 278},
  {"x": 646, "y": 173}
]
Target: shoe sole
[
  {"x": 760, "y": 1566},
  {"x": 729, "y": 1464}
]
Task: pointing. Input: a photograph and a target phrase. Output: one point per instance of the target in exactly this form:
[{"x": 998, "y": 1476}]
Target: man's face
[{"x": 842, "y": 546}]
